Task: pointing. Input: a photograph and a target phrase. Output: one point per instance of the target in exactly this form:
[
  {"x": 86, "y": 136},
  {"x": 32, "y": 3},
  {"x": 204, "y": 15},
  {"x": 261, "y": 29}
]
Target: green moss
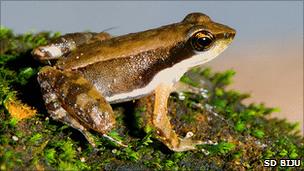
[
  {"x": 258, "y": 133},
  {"x": 189, "y": 81},
  {"x": 129, "y": 154},
  {"x": 50, "y": 155},
  {"x": 237, "y": 136},
  {"x": 147, "y": 139},
  {"x": 25, "y": 74},
  {"x": 36, "y": 137},
  {"x": 68, "y": 152},
  {"x": 13, "y": 122},
  {"x": 239, "y": 126},
  {"x": 219, "y": 149}
]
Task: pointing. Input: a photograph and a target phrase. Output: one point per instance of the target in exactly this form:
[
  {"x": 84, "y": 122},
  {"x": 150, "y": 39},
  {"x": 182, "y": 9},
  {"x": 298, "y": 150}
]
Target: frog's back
[{"x": 123, "y": 46}]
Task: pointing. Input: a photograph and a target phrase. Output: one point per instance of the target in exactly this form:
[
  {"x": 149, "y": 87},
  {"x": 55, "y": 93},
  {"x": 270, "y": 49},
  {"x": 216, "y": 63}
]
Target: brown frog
[{"x": 94, "y": 70}]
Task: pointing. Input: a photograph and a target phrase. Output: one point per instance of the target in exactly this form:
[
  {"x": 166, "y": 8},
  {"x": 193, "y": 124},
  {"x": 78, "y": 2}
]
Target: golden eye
[{"x": 201, "y": 40}]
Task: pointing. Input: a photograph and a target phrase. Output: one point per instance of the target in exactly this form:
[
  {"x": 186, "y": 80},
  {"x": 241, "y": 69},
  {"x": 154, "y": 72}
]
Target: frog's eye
[{"x": 201, "y": 40}]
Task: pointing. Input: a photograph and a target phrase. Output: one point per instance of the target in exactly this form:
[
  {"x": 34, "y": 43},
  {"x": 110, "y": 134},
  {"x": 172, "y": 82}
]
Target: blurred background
[{"x": 267, "y": 53}]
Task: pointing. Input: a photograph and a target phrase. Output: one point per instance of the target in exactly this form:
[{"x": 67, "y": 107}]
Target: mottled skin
[{"x": 96, "y": 70}]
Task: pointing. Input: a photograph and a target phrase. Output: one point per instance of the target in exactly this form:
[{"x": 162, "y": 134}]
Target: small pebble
[
  {"x": 189, "y": 134},
  {"x": 15, "y": 138},
  {"x": 79, "y": 149},
  {"x": 205, "y": 152},
  {"x": 181, "y": 96},
  {"x": 114, "y": 151}
]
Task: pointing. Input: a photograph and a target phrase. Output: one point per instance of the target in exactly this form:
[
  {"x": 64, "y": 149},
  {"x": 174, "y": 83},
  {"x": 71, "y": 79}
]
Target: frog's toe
[
  {"x": 186, "y": 144},
  {"x": 117, "y": 142}
]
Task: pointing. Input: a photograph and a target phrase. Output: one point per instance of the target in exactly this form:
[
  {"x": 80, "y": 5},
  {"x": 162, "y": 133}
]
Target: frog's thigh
[
  {"x": 162, "y": 124},
  {"x": 81, "y": 105}
]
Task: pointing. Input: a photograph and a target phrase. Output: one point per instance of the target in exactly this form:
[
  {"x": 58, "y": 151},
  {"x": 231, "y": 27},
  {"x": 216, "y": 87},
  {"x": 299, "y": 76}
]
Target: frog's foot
[
  {"x": 179, "y": 144},
  {"x": 186, "y": 144},
  {"x": 73, "y": 100}
]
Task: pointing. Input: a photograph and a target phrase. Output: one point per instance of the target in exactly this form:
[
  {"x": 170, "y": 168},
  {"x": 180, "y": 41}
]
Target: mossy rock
[{"x": 237, "y": 136}]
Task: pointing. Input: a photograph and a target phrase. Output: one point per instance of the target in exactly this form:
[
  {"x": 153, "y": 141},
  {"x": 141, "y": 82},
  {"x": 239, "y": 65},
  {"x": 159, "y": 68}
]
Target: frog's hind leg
[
  {"x": 63, "y": 45},
  {"x": 72, "y": 99}
]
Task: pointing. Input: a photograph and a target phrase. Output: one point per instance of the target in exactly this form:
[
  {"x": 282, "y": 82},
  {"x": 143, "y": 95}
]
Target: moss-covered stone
[{"x": 236, "y": 136}]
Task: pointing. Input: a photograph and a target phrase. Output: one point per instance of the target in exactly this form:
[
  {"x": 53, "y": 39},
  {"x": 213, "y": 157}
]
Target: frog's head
[{"x": 206, "y": 39}]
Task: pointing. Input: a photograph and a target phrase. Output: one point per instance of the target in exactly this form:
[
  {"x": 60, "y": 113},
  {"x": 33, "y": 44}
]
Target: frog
[{"x": 91, "y": 71}]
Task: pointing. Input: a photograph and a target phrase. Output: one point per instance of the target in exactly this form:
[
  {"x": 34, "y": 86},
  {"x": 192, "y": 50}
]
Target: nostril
[
  {"x": 229, "y": 35},
  {"x": 226, "y": 35}
]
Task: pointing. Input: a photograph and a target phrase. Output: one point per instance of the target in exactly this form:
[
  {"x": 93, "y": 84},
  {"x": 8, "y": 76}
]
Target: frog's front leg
[
  {"x": 72, "y": 99},
  {"x": 162, "y": 123},
  {"x": 63, "y": 45}
]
